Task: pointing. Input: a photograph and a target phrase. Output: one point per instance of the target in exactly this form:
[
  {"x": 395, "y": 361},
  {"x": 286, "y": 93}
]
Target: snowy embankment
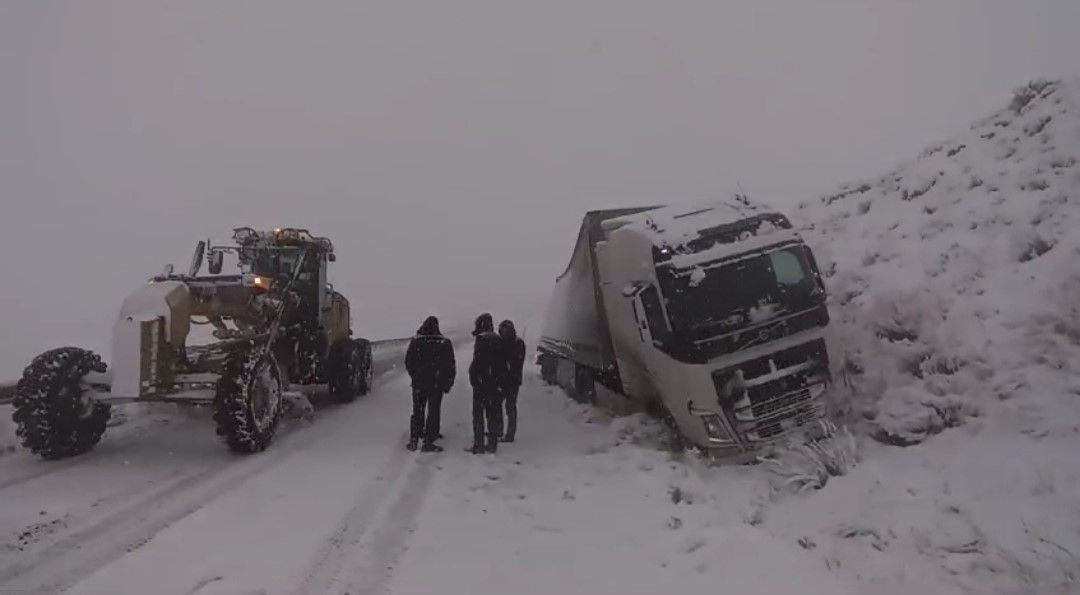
[{"x": 956, "y": 287}]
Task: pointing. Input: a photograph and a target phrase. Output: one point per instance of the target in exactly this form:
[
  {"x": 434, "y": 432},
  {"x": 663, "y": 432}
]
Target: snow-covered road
[
  {"x": 340, "y": 506},
  {"x": 583, "y": 502},
  {"x": 165, "y": 489}
]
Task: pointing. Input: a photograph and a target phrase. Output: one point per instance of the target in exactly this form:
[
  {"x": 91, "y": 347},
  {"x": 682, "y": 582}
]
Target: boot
[
  {"x": 508, "y": 438},
  {"x": 431, "y": 447},
  {"x": 412, "y": 444},
  {"x": 492, "y": 445},
  {"x": 477, "y": 449}
]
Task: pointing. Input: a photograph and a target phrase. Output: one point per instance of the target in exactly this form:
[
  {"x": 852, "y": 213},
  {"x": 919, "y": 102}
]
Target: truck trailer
[{"x": 712, "y": 316}]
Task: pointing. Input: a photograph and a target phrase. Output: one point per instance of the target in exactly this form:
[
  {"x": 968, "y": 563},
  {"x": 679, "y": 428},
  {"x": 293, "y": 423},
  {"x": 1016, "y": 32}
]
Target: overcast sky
[{"x": 449, "y": 148}]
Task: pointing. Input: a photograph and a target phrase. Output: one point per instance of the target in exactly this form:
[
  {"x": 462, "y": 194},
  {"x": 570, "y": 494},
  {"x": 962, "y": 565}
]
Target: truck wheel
[
  {"x": 676, "y": 441},
  {"x": 548, "y": 368},
  {"x": 584, "y": 385},
  {"x": 350, "y": 370},
  {"x": 248, "y": 403},
  {"x": 53, "y": 415}
]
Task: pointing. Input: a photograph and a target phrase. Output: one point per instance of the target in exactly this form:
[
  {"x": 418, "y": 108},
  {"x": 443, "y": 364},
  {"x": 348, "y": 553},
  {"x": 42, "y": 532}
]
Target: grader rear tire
[
  {"x": 350, "y": 370},
  {"x": 53, "y": 416}
]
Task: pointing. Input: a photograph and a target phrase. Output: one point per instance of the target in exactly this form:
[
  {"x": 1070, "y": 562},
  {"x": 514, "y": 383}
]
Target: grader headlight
[{"x": 257, "y": 281}]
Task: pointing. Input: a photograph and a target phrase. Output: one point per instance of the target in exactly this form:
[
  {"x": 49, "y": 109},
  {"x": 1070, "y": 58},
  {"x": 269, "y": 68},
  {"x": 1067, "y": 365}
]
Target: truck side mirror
[
  {"x": 331, "y": 257},
  {"x": 214, "y": 261},
  {"x": 197, "y": 258}
]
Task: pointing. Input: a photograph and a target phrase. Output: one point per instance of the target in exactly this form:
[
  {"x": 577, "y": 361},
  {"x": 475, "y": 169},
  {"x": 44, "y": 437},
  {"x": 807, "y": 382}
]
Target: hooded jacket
[
  {"x": 430, "y": 358},
  {"x": 513, "y": 348},
  {"x": 484, "y": 371}
]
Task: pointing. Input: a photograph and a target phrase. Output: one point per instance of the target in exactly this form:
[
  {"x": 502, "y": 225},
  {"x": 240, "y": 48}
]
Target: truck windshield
[{"x": 706, "y": 302}]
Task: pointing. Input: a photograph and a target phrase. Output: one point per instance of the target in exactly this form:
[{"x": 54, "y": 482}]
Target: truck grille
[
  {"x": 777, "y": 427},
  {"x": 777, "y": 402},
  {"x": 766, "y": 408}
]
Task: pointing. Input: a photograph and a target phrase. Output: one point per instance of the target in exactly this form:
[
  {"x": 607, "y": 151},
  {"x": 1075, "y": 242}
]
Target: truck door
[{"x": 650, "y": 317}]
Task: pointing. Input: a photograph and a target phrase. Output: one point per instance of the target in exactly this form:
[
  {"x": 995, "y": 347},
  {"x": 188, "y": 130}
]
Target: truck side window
[{"x": 654, "y": 314}]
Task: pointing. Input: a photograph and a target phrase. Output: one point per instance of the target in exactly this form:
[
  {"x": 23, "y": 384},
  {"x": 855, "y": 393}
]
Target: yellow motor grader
[{"x": 269, "y": 333}]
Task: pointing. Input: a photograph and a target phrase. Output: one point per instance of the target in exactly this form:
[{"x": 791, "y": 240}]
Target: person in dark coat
[
  {"x": 513, "y": 348},
  {"x": 430, "y": 363},
  {"x": 484, "y": 373}
]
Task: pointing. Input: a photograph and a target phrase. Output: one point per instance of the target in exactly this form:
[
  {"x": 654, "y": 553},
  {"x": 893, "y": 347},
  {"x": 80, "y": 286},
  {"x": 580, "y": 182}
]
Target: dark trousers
[
  {"x": 486, "y": 412},
  {"x": 425, "y": 426},
  {"x": 509, "y": 402}
]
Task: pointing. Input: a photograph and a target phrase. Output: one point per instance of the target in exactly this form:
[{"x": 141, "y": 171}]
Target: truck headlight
[
  {"x": 730, "y": 386},
  {"x": 714, "y": 427}
]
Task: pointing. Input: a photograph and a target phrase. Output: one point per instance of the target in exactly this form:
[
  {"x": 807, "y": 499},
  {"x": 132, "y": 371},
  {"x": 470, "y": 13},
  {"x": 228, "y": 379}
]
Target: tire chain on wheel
[
  {"x": 309, "y": 348},
  {"x": 232, "y": 413},
  {"x": 366, "y": 358},
  {"x": 340, "y": 371},
  {"x": 46, "y": 424}
]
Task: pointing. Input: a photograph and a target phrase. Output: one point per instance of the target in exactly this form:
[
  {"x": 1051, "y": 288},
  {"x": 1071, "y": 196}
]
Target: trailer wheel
[
  {"x": 53, "y": 415},
  {"x": 350, "y": 370},
  {"x": 248, "y": 403}
]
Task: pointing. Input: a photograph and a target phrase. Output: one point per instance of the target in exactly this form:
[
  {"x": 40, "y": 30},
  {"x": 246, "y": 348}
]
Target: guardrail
[{"x": 7, "y": 393}]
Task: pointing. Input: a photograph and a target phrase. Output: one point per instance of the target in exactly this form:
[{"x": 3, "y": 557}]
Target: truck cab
[{"x": 714, "y": 315}]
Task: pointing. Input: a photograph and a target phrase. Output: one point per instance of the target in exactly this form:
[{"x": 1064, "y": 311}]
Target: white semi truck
[{"x": 712, "y": 316}]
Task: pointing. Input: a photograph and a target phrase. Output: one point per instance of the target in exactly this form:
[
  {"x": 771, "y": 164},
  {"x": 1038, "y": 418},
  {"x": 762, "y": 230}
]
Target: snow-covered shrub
[
  {"x": 809, "y": 465},
  {"x": 909, "y": 415},
  {"x": 1023, "y": 96}
]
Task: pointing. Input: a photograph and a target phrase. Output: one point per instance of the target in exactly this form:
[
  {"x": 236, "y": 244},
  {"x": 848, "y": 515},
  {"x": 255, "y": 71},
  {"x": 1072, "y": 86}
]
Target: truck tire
[
  {"x": 675, "y": 440},
  {"x": 349, "y": 370},
  {"x": 54, "y": 417},
  {"x": 248, "y": 402},
  {"x": 584, "y": 385},
  {"x": 549, "y": 366}
]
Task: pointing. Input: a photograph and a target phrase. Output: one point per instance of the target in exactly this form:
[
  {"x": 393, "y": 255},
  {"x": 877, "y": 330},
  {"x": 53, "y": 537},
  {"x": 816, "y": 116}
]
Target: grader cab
[{"x": 246, "y": 343}]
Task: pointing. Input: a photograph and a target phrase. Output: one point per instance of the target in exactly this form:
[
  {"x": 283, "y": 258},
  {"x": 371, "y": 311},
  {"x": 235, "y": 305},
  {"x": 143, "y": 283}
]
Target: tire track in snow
[
  {"x": 326, "y": 564},
  {"x": 373, "y": 533},
  {"x": 99, "y": 457},
  {"x": 384, "y": 363},
  {"x": 378, "y": 557},
  {"x": 54, "y": 467},
  {"x": 77, "y": 555}
]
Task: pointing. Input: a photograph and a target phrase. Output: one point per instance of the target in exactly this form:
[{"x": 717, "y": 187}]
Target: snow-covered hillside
[
  {"x": 956, "y": 287},
  {"x": 956, "y": 274}
]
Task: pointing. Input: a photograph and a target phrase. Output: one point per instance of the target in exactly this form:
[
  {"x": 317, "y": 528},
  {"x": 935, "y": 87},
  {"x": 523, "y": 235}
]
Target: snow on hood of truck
[{"x": 689, "y": 235}]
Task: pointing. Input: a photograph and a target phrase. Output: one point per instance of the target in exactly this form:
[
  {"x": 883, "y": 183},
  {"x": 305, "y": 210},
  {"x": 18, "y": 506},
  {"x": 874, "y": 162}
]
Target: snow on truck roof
[{"x": 691, "y": 234}]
